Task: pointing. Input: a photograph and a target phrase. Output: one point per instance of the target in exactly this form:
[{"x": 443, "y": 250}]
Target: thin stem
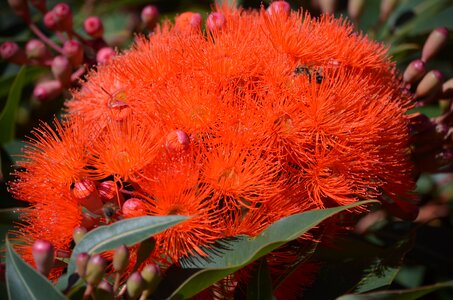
[
  {"x": 79, "y": 72},
  {"x": 44, "y": 38},
  {"x": 88, "y": 292},
  {"x": 116, "y": 285}
]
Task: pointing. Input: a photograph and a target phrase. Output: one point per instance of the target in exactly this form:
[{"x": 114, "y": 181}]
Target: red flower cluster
[{"x": 266, "y": 114}]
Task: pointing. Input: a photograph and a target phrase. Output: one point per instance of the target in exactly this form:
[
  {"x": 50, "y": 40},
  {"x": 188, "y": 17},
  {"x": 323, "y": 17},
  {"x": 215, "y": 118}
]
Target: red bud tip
[
  {"x": 434, "y": 43},
  {"x": 215, "y": 22},
  {"x": 93, "y": 27},
  {"x": 74, "y": 52},
  {"x": 36, "y": 49},
  {"x": 40, "y": 5},
  {"x": 150, "y": 16},
  {"x": 43, "y": 255},
  {"x": 279, "y": 7},
  {"x": 20, "y": 7},
  {"x": 81, "y": 264},
  {"x": 107, "y": 190},
  {"x": 134, "y": 207},
  {"x": 47, "y": 90},
  {"x": 177, "y": 141},
  {"x": 11, "y": 52},
  {"x": 63, "y": 15},
  {"x": 105, "y": 55},
  {"x": 61, "y": 69},
  {"x": 414, "y": 71},
  {"x": 188, "y": 22}
]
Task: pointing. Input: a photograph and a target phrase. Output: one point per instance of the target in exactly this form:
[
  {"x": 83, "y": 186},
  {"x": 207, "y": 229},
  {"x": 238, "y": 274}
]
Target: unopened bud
[
  {"x": 188, "y": 22},
  {"x": 104, "y": 291},
  {"x": 93, "y": 27},
  {"x": 414, "y": 71},
  {"x": 61, "y": 69},
  {"x": 386, "y": 8},
  {"x": 215, "y": 22},
  {"x": 105, "y": 55},
  {"x": 133, "y": 207},
  {"x": 177, "y": 141},
  {"x": 40, "y": 5},
  {"x": 107, "y": 190},
  {"x": 50, "y": 20},
  {"x": 20, "y": 7},
  {"x": 11, "y": 52},
  {"x": 150, "y": 16},
  {"x": 47, "y": 90},
  {"x": 78, "y": 234},
  {"x": 36, "y": 49},
  {"x": 121, "y": 259},
  {"x": 135, "y": 285},
  {"x": 431, "y": 83},
  {"x": 81, "y": 264},
  {"x": 447, "y": 89},
  {"x": 63, "y": 15},
  {"x": 83, "y": 188},
  {"x": 434, "y": 43},
  {"x": 355, "y": 9},
  {"x": 327, "y": 6},
  {"x": 95, "y": 269},
  {"x": 43, "y": 255},
  {"x": 74, "y": 52},
  {"x": 152, "y": 276},
  {"x": 279, "y": 7}
]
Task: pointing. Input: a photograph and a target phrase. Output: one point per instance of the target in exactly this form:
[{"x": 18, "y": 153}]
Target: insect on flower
[{"x": 308, "y": 71}]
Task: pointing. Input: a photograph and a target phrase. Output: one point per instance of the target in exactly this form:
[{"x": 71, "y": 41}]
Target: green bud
[
  {"x": 81, "y": 264},
  {"x": 152, "y": 276},
  {"x": 121, "y": 258},
  {"x": 135, "y": 285},
  {"x": 95, "y": 269},
  {"x": 78, "y": 234}
]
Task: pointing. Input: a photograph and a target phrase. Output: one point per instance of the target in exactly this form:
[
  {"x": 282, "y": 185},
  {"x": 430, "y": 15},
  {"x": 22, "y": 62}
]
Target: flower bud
[
  {"x": 434, "y": 43},
  {"x": 107, "y": 190},
  {"x": 78, "y": 234},
  {"x": 431, "y": 83},
  {"x": 355, "y": 9},
  {"x": 188, "y": 22},
  {"x": 177, "y": 141},
  {"x": 105, "y": 55},
  {"x": 63, "y": 15},
  {"x": 36, "y": 49},
  {"x": 73, "y": 50},
  {"x": 47, "y": 90},
  {"x": 151, "y": 276},
  {"x": 150, "y": 16},
  {"x": 95, "y": 269},
  {"x": 40, "y": 5},
  {"x": 215, "y": 22},
  {"x": 134, "y": 207},
  {"x": 104, "y": 291},
  {"x": 327, "y": 6},
  {"x": 135, "y": 285},
  {"x": 414, "y": 71},
  {"x": 61, "y": 69},
  {"x": 43, "y": 255},
  {"x": 120, "y": 259},
  {"x": 20, "y": 7},
  {"x": 279, "y": 7},
  {"x": 83, "y": 188},
  {"x": 50, "y": 20},
  {"x": 93, "y": 27},
  {"x": 81, "y": 264},
  {"x": 386, "y": 8},
  {"x": 11, "y": 52},
  {"x": 447, "y": 89}
]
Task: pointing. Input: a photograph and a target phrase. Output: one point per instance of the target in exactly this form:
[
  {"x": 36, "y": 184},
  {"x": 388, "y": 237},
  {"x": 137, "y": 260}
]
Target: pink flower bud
[
  {"x": 11, "y": 52},
  {"x": 135, "y": 285},
  {"x": 81, "y": 264},
  {"x": 78, "y": 234},
  {"x": 93, "y": 27},
  {"x": 51, "y": 21},
  {"x": 20, "y": 7},
  {"x": 177, "y": 141},
  {"x": 63, "y": 15},
  {"x": 61, "y": 69},
  {"x": 43, "y": 255},
  {"x": 386, "y": 8},
  {"x": 134, "y": 207},
  {"x": 355, "y": 9},
  {"x": 40, "y": 5},
  {"x": 188, "y": 22},
  {"x": 434, "y": 43},
  {"x": 84, "y": 188},
  {"x": 95, "y": 269},
  {"x": 105, "y": 55},
  {"x": 414, "y": 71},
  {"x": 279, "y": 7},
  {"x": 150, "y": 16},
  {"x": 47, "y": 90},
  {"x": 107, "y": 190},
  {"x": 36, "y": 49},
  {"x": 215, "y": 22},
  {"x": 431, "y": 83},
  {"x": 74, "y": 52},
  {"x": 327, "y": 6}
]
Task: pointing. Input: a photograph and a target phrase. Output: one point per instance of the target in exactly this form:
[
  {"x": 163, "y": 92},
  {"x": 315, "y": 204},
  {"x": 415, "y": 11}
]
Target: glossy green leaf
[
  {"x": 408, "y": 294},
  {"x": 129, "y": 232},
  {"x": 260, "y": 285},
  {"x": 8, "y": 115},
  {"x": 23, "y": 282},
  {"x": 200, "y": 272}
]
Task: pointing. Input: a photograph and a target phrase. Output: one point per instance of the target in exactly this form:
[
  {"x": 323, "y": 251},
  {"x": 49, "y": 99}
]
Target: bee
[{"x": 310, "y": 72}]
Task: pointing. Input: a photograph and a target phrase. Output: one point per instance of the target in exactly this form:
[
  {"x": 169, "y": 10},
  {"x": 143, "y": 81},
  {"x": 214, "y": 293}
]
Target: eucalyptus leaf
[
  {"x": 23, "y": 282},
  {"x": 198, "y": 273}
]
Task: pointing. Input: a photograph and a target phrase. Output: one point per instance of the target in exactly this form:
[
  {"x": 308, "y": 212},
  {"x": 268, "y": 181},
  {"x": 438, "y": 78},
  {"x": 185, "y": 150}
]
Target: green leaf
[
  {"x": 23, "y": 282},
  {"x": 260, "y": 285},
  {"x": 129, "y": 232},
  {"x": 409, "y": 294},
  {"x": 199, "y": 272},
  {"x": 8, "y": 115}
]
